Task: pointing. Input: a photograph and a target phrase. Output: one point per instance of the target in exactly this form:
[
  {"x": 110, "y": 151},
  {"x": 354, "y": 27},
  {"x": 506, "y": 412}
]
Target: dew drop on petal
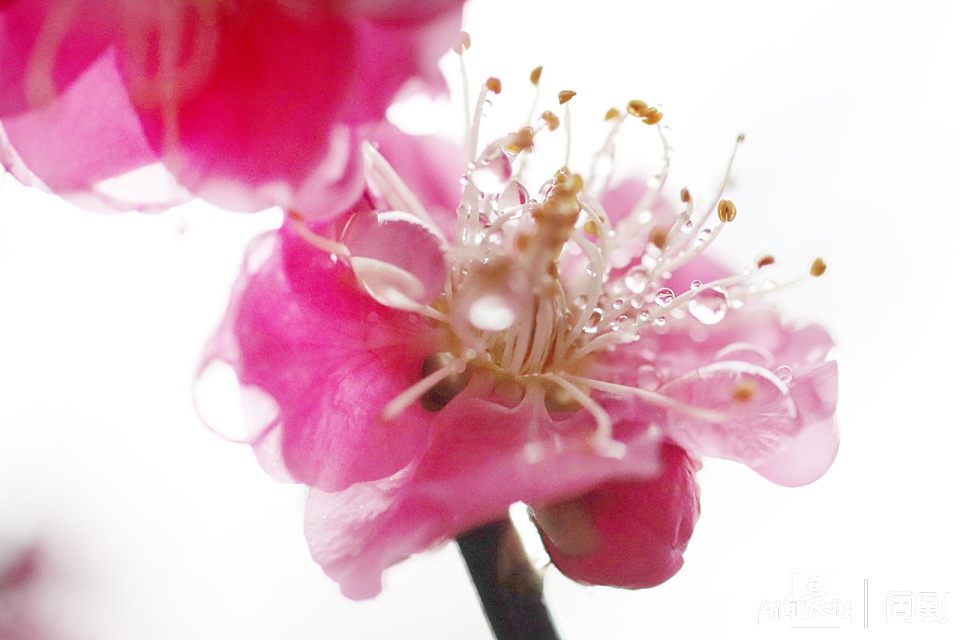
[
  {"x": 636, "y": 279},
  {"x": 696, "y": 284},
  {"x": 234, "y": 411},
  {"x": 710, "y": 306},
  {"x": 664, "y": 296},
  {"x": 647, "y": 377},
  {"x": 491, "y": 312},
  {"x": 660, "y": 322}
]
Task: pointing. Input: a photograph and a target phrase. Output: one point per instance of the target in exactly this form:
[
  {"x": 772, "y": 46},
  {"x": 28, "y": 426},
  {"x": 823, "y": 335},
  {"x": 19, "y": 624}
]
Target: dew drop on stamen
[
  {"x": 636, "y": 279},
  {"x": 493, "y": 174},
  {"x": 704, "y": 235},
  {"x": 593, "y": 323},
  {"x": 785, "y": 374},
  {"x": 513, "y": 195},
  {"x": 664, "y": 296},
  {"x": 710, "y": 306},
  {"x": 687, "y": 226},
  {"x": 491, "y": 312}
]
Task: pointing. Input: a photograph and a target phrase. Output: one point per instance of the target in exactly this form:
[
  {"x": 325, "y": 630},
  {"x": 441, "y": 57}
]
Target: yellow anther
[
  {"x": 726, "y": 210},
  {"x": 535, "y": 76},
  {"x": 566, "y": 96},
  {"x": 653, "y": 116},
  {"x": 551, "y": 119},
  {"x": 612, "y": 114},
  {"x": 493, "y": 84},
  {"x": 637, "y": 108},
  {"x": 463, "y": 43},
  {"x": 818, "y": 267},
  {"x": 520, "y": 141}
]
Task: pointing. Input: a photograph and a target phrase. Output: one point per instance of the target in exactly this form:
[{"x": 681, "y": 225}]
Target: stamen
[
  {"x": 603, "y": 438},
  {"x": 324, "y": 244},
  {"x": 413, "y": 393},
  {"x": 394, "y": 190},
  {"x": 460, "y": 48},
  {"x": 651, "y": 397}
]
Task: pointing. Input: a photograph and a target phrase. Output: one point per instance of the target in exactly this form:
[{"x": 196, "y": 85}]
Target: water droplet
[
  {"x": 710, "y": 306},
  {"x": 492, "y": 175},
  {"x": 687, "y": 226},
  {"x": 696, "y": 284},
  {"x": 785, "y": 374},
  {"x": 636, "y": 279},
  {"x": 659, "y": 322},
  {"x": 580, "y": 301},
  {"x": 644, "y": 315},
  {"x": 664, "y": 296},
  {"x": 647, "y": 377},
  {"x": 495, "y": 238},
  {"x": 590, "y": 270},
  {"x": 513, "y": 195},
  {"x": 704, "y": 235},
  {"x": 618, "y": 303},
  {"x": 593, "y": 323},
  {"x": 491, "y": 312}
]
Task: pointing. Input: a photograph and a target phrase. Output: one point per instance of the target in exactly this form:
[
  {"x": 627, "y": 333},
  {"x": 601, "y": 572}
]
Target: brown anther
[
  {"x": 818, "y": 268},
  {"x": 520, "y": 141},
  {"x": 743, "y": 392},
  {"x": 726, "y": 210},
  {"x": 684, "y": 195},
  {"x": 523, "y": 240},
  {"x": 590, "y": 227},
  {"x": 658, "y": 237},
  {"x": 493, "y": 84},
  {"x": 463, "y": 43},
  {"x": 295, "y": 216},
  {"x": 535, "y": 76},
  {"x": 653, "y": 116},
  {"x": 566, "y": 96},
  {"x": 637, "y": 108},
  {"x": 551, "y": 119},
  {"x": 765, "y": 261},
  {"x": 612, "y": 114}
]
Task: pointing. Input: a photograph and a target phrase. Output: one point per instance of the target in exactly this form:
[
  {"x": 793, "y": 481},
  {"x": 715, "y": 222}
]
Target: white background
[{"x": 158, "y": 529}]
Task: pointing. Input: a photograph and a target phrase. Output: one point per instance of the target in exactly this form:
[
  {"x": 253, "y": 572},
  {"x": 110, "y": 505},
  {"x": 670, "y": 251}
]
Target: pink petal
[
  {"x": 628, "y": 534},
  {"x": 477, "y": 465},
  {"x": 62, "y": 144},
  {"x": 301, "y": 330},
  {"x": 256, "y": 113},
  {"x": 45, "y": 45}
]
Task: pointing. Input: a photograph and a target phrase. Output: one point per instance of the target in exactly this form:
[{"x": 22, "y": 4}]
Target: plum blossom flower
[
  {"x": 461, "y": 342},
  {"x": 247, "y": 104}
]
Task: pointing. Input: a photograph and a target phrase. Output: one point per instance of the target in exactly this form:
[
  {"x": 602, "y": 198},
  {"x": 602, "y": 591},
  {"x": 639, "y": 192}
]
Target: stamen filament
[
  {"x": 396, "y": 406},
  {"x": 651, "y": 397}
]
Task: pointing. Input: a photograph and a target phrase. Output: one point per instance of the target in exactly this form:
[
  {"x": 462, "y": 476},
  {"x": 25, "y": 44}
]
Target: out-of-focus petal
[{"x": 45, "y": 45}]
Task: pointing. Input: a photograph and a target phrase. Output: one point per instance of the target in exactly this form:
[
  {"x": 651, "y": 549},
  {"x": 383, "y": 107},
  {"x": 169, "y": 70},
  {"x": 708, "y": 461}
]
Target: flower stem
[{"x": 510, "y": 590}]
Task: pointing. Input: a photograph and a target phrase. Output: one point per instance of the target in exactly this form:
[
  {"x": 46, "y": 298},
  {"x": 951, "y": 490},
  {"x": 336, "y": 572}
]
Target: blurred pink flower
[
  {"x": 20, "y": 617},
  {"x": 247, "y": 103},
  {"x": 446, "y": 351}
]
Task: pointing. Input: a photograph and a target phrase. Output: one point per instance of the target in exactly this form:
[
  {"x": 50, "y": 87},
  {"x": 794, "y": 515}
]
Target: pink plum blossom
[
  {"x": 246, "y": 104},
  {"x": 455, "y": 346}
]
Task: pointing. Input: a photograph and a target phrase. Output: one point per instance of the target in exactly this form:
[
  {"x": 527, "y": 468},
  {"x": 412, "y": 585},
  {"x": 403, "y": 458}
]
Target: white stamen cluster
[{"x": 536, "y": 286}]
